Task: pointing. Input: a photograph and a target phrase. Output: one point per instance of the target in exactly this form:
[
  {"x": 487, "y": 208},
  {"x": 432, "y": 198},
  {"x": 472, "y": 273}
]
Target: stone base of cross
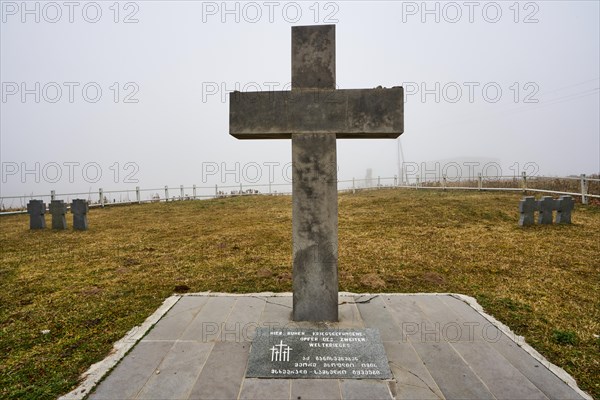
[{"x": 313, "y": 114}]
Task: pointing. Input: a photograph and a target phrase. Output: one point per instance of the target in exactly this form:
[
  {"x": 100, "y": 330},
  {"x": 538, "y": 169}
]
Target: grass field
[{"x": 89, "y": 288}]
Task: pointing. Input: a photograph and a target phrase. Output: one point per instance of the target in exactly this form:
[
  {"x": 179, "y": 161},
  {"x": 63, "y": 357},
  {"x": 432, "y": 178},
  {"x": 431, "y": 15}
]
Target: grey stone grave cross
[
  {"x": 546, "y": 206},
  {"x": 58, "y": 209},
  {"x": 564, "y": 206},
  {"x": 80, "y": 208},
  {"x": 526, "y": 207},
  {"x": 313, "y": 114},
  {"x": 36, "y": 210}
]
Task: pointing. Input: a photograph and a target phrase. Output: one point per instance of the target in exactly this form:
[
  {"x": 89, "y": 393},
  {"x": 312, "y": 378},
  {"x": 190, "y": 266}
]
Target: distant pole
[
  {"x": 166, "y": 193},
  {"x": 180, "y": 192},
  {"x": 479, "y": 181},
  {"x": 216, "y": 191},
  {"x": 353, "y": 186},
  {"x": 444, "y": 182},
  {"x": 137, "y": 195},
  {"x": 584, "y": 198},
  {"x": 194, "y": 191},
  {"x": 524, "y": 175},
  {"x": 101, "y": 193},
  {"x": 418, "y": 181},
  {"x": 378, "y": 182}
]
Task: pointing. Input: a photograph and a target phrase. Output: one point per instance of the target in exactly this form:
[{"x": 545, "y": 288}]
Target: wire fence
[{"x": 579, "y": 186}]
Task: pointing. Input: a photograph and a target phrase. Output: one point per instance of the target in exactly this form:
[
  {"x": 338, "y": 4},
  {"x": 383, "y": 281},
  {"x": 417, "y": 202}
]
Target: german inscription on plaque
[{"x": 318, "y": 353}]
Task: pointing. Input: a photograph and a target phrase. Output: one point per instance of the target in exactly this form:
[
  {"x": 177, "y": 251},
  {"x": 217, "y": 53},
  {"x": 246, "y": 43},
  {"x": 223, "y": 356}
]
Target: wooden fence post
[{"x": 584, "y": 198}]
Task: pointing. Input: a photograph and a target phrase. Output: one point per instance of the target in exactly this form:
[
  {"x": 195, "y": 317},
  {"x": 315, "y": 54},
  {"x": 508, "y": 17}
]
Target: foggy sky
[{"x": 483, "y": 80}]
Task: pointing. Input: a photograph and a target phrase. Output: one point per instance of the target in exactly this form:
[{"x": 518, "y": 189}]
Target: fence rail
[{"x": 582, "y": 186}]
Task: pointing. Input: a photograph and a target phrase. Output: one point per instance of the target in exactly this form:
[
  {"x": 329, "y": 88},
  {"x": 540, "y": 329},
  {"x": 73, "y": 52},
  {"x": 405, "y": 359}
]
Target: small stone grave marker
[
  {"x": 80, "y": 208},
  {"x": 36, "y": 210},
  {"x": 58, "y": 209},
  {"x": 526, "y": 207},
  {"x": 565, "y": 205},
  {"x": 546, "y": 207}
]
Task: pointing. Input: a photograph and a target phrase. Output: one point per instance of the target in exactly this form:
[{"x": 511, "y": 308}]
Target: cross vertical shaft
[{"x": 314, "y": 185}]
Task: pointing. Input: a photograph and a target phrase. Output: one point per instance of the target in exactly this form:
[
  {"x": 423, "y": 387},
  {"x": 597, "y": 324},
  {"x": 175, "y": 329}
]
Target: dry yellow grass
[{"x": 89, "y": 288}]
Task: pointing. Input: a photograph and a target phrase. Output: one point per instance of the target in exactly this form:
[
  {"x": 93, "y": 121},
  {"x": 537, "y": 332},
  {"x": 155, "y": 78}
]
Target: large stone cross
[{"x": 313, "y": 114}]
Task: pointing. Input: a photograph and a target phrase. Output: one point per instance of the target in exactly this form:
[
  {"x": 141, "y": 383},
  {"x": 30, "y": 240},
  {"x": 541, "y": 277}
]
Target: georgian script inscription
[{"x": 318, "y": 353}]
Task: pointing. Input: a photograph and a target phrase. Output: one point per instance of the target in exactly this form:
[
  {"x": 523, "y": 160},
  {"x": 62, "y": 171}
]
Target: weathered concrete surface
[
  {"x": 313, "y": 114},
  {"x": 546, "y": 208},
  {"x": 428, "y": 359},
  {"x": 527, "y": 206},
  {"x": 36, "y": 210},
  {"x": 80, "y": 208},
  {"x": 58, "y": 209},
  {"x": 313, "y": 57},
  {"x": 564, "y": 206},
  {"x": 346, "y": 113},
  {"x": 314, "y": 227}
]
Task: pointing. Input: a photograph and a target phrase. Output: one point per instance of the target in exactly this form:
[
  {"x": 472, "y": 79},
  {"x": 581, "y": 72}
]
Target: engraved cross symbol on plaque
[
  {"x": 280, "y": 352},
  {"x": 313, "y": 114}
]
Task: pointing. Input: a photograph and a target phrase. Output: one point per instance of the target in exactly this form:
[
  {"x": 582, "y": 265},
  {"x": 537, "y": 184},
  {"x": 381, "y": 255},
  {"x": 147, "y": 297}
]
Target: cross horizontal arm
[{"x": 347, "y": 113}]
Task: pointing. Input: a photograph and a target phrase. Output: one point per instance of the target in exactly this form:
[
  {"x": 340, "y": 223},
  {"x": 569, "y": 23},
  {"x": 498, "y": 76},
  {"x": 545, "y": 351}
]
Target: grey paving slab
[
  {"x": 223, "y": 372},
  {"x": 413, "y": 322},
  {"x": 132, "y": 373},
  {"x": 551, "y": 385},
  {"x": 375, "y": 314},
  {"x": 243, "y": 320},
  {"x": 365, "y": 389},
  {"x": 471, "y": 321},
  {"x": 502, "y": 379},
  {"x": 200, "y": 350},
  {"x": 446, "y": 324},
  {"x": 413, "y": 380},
  {"x": 261, "y": 389},
  {"x": 177, "y": 372},
  {"x": 277, "y": 312},
  {"x": 208, "y": 323},
  {"x": 172, "y": 325},
  {"x": 453, "y": 376},
  {"x": 349, "y": 315},
  {"x": 406, "y": 308},
  {"x": 546, "y": 381},
  {"x": 316, "y": 389}
]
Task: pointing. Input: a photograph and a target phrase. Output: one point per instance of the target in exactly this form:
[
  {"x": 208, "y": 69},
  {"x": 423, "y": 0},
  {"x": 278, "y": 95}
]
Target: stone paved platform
[{"x": 438, "y": 347}]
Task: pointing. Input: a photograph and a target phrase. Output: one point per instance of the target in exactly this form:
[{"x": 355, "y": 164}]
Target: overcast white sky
[{"x": 514, "y": 82}]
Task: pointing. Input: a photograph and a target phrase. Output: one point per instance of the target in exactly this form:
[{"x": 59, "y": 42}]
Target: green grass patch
[
  {"x": 565, "y": 337},
  {"x": 89, "y": 288}
]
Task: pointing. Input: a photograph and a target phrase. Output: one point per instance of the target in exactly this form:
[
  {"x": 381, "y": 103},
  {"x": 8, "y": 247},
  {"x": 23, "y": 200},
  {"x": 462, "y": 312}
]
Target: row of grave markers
[
  {"x": 545, "y": 208},
  {"x": 58, "y": 209}
]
